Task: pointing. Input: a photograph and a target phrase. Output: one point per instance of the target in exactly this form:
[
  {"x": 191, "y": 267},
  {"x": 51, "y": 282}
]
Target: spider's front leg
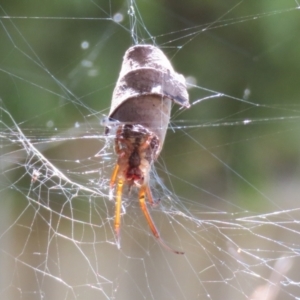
[
  {"x": 153, "y": 202},
  {"x": 115, "y": 173},
  {"x": 143, "y": 205},
  {"x": 118, "y": 204},
  {"x": 113, "y": 180},
  {"x": 120, "y": 182},
  {"x": 118, "y": 210}
]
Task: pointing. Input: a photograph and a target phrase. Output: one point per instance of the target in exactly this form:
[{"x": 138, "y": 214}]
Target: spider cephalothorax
[{"x": 137, "y": 148}]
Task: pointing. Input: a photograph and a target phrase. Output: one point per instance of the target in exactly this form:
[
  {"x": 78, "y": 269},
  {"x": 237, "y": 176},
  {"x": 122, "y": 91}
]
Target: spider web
[{"x": 227, "y": 177}]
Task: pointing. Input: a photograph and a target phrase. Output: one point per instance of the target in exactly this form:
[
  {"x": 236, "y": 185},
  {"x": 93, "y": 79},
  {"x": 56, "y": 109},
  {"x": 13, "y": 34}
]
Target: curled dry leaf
[{"x": 146, "y": 87}]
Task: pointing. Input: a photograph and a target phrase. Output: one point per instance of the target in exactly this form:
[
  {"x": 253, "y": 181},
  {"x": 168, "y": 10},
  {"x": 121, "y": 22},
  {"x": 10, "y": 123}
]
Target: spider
[{"x": 137, "y": 148}]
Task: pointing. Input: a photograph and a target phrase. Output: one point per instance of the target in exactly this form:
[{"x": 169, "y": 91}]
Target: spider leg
[
  {"x": 142, "y": 193},
  {"x": 146, "y": 143},
  {"x": 118, "y": 210},
  {"x": 113, "y": 180},
  {"x": 152, "y": 202}
]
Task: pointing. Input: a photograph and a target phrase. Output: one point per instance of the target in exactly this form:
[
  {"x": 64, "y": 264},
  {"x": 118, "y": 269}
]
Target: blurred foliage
[{"x": 246, "y": 45}]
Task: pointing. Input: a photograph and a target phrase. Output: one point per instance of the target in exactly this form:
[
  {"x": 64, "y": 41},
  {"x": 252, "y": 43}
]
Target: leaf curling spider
[
  {"x": 141, "y": 106},
  {"x": 137, "y": 148}
]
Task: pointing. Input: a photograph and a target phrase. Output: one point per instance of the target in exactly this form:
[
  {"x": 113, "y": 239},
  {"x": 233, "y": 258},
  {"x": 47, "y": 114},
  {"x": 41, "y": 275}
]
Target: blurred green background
[
  {"x": 212, "y": 161},
  {"x": 250, "y": 46}
]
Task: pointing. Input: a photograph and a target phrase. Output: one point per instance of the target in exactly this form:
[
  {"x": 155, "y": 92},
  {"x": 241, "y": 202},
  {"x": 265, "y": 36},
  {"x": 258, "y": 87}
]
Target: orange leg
[
  {"x": 118, "y": 210},
  {"x": 113, "y": 180},
  {"x": 114, "y": 176},
  {"x": 150, "y": 197},
  {"x": 146, "y": 143},
  {"x": 144, "y": 190}
]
